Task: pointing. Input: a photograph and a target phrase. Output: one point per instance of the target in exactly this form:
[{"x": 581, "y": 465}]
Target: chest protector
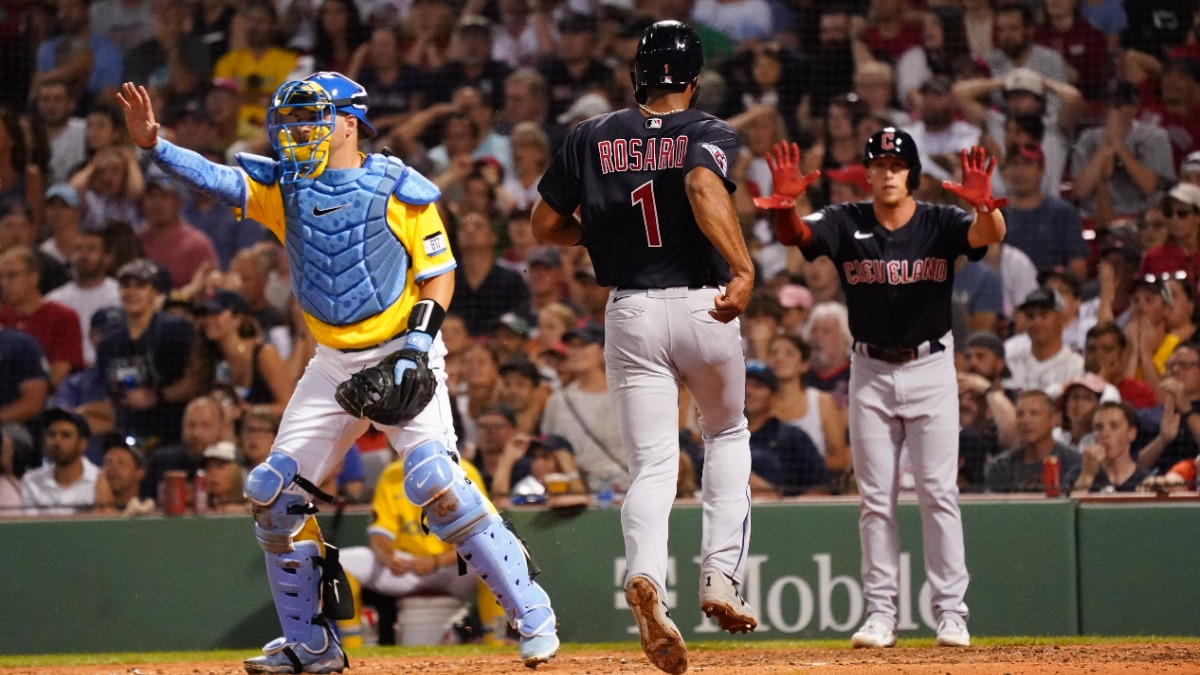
[{"x": 347, "y": 264}]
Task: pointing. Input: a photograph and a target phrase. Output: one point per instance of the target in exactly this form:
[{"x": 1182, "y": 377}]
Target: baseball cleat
[
  {"x": 952, "y": 632},
  {"x": 282, "y": 657},
  {"x": 876, "y": 633},
  {"x": 660, "y": 638},
  {"x": 538, "y": 649},
  {"x": 719, "y": 599}
]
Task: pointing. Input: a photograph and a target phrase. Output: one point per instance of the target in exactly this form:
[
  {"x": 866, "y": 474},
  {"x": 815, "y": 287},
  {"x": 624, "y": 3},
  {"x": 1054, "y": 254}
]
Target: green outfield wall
[{"x": 1038, "y": 567}]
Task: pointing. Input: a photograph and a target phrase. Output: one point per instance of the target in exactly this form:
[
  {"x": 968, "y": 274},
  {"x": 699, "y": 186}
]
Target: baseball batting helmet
[
  {"x": 894, "y": 142},
  {"x": 669, "y": 55}
]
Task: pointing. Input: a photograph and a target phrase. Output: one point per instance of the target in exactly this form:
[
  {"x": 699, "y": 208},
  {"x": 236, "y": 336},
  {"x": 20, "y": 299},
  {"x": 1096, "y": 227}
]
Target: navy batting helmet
[
  {"x": 668, "y": 55},
  {"x": 895, "y": 143}
]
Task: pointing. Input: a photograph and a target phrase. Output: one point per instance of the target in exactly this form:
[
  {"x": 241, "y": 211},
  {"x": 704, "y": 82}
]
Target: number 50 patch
[{"x": 435, "y": 244}]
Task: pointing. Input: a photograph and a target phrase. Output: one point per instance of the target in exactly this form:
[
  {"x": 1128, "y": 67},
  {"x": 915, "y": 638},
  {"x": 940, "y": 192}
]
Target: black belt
[
  {"x": 897, "y": 355},
  {"x": 353, "y": 350},
  {"x": 659, "y": 288}
]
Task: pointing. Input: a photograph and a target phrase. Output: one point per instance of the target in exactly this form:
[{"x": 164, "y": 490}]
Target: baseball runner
[
  {"x": 660, "y": 227},
  {"x": 895, "y": 257},
  {"x": 372, "y": 269}
]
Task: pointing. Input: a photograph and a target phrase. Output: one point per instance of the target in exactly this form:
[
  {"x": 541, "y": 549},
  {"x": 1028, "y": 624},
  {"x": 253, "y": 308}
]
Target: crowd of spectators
[{"x": 145, "y": 329}]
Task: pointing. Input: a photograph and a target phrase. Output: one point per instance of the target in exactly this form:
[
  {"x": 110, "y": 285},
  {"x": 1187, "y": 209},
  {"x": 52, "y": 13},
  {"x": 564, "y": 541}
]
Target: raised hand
[
  {"x": 139, "y": 115},
  {"x": 976, "y": 186},
  {"x": 788, "y": 181}
]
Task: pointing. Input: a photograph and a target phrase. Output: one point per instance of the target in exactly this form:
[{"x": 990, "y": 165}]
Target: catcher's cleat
[
  {"x": 282, "y": 657},
  {"x": 660, "y": 638},
  {"x": 538, "y": 649},
  {"x": 719, "y": 599}
]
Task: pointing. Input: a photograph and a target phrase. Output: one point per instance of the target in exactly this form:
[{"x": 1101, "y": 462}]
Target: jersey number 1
[{"x": 644, "y": 195}]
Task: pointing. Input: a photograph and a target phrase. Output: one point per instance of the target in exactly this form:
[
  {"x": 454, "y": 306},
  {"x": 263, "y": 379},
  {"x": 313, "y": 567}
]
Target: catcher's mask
[{"x": 300, "y": 123}]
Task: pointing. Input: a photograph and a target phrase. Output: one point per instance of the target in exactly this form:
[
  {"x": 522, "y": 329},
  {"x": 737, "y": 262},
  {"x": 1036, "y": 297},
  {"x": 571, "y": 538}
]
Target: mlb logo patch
[
  {"x": 435, "y": 245},
  {"x": 718, "y": 156},
  {"x": 653, "y": 123}
]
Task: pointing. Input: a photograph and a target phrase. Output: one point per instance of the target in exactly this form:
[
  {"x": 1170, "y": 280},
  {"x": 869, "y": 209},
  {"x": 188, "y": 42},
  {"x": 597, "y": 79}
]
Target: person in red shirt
[
  {"x": 891, "y": 32},
  {"x": 1172, "y": 101},
  {"x": 54, "y": 326},
  {"x": 1082, "y": 46},
  {"x": 167, "y": 239},
  {"x": 1181, "y": 253}
]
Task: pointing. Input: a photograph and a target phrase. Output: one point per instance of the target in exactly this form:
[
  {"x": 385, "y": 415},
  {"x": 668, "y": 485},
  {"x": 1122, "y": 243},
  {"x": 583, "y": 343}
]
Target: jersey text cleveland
[
  {"x": 894, "y": 271},
  {"x": 636, "y": 154}
]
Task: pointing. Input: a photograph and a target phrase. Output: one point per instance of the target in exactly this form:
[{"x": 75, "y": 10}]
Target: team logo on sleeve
[
  {"x": 718, "y": 156},
  {"x": 435, "y": 244}
]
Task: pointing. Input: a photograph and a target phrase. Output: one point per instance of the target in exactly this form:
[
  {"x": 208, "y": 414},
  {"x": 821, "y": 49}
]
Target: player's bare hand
[
  {"x": 729, "y": 305},
  {"x": 139, "y": 115},
  {"x": 424, "y": 565},
  {"x": 976, "y": 186},
  {"x": 787, "y": 179}
]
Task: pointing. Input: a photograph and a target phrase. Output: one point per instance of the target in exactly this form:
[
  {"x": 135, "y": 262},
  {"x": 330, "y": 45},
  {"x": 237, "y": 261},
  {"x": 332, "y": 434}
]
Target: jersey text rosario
[{"x": 636, "y": 154}]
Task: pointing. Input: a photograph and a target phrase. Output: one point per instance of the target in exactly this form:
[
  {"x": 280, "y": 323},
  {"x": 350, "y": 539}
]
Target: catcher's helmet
[
  {"x": 349, "y": 97},
  {"x": 668, "y": 55},
  {"x": 896, "y": 143}
]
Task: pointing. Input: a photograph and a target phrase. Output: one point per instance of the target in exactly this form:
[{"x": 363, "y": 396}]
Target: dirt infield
[{"x": 1126, "y": 659}]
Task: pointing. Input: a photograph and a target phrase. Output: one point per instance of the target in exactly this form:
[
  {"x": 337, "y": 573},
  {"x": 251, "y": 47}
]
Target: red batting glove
[
  {"x": 789, "y": 182},
  {"x": 976, "y": 187}
]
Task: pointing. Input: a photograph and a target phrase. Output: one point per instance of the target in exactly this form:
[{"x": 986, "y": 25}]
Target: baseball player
[
  {"x": 895, "y": 257},
  {"x": 660, "y": 227},
  {"x": 403, "y": 559},
  {"x": 372, "y": 269}
]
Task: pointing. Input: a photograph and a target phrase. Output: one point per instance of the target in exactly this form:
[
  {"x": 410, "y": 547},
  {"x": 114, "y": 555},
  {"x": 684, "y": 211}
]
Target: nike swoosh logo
[
  {"x": 318, "y": 211},
  {"x": 863, "y": 235},
  {"x": 422, "y": 483}
]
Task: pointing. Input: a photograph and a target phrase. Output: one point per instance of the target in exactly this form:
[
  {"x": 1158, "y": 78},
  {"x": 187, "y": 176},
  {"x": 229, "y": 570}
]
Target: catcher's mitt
[{"x": 373, "y": 393}]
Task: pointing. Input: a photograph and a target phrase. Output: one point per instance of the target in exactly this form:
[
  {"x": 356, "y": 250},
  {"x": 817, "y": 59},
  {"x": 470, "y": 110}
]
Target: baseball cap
[
  {"x": 63, "y": 415},
  {"x": 475, "y": 24},
  {"x": 1026, "y": 80},
  {"x": 1190, "y": 163},
  {"x": 1042, "y": 298},
  {"x": 853, "y": 174},
  {"x": 504, "y": 411},
  {"x": 792, "y": 296},
  {"x": 1030, "y": 151},
  {"x": 513, "y": 321},
  {"x": 762, "y": 373},
  {"x": 575, "y": 22},
  {"x": 163, "y": 183},
  {"x": 141, "y": 269},
  {"x": 114, "y": 441},
  {"x": 1128, "y": 250},
  {"x": 590, "y": 332},
  {"x": 547, "y": 256},
  {"x": 551, "y": 442},
  {"x": 1186, "y": 193},
  {"x": 107, "y": 319},
  {"x": 986, "y": 340},
  {"x": 224, "y": 299},
  {"x": 523, "y": 367},
  {"x": 64, "y": 192},
  {"x": 585, "y": 107},
  {"x": 1089, "y": 381},
  {"x": 222, "y": 450}
]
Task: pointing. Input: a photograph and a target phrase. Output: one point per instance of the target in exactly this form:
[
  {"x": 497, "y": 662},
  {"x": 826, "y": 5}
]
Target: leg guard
[{"x": 458, "y": 513}]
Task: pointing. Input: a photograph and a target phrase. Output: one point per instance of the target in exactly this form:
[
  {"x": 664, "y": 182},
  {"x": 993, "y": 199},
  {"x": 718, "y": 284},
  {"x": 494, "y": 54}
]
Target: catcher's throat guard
[{"x": 300, "y": 123}]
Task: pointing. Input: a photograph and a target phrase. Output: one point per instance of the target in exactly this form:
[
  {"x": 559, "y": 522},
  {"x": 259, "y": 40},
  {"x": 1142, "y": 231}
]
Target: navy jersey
[
  {"x": 898, "y": 284},
  {"x": 627, "y": 171}
]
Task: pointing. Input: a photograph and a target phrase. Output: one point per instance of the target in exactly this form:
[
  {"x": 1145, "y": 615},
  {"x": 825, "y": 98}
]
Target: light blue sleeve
[{"x": 224, "y": 183}]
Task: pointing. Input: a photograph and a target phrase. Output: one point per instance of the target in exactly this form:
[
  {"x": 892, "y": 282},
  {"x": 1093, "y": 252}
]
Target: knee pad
[
  {"x": 267, "y": 480},
  {"x": 435, "y": 482},
  {"x": 276, "y": 525}
]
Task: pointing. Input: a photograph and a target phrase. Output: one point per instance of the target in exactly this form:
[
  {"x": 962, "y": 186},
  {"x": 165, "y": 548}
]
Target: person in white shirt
[
  {"x": 1045, "y": 362},
  {"x": 68, "y": 483},
  {"x": 90, "y": 288}
]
